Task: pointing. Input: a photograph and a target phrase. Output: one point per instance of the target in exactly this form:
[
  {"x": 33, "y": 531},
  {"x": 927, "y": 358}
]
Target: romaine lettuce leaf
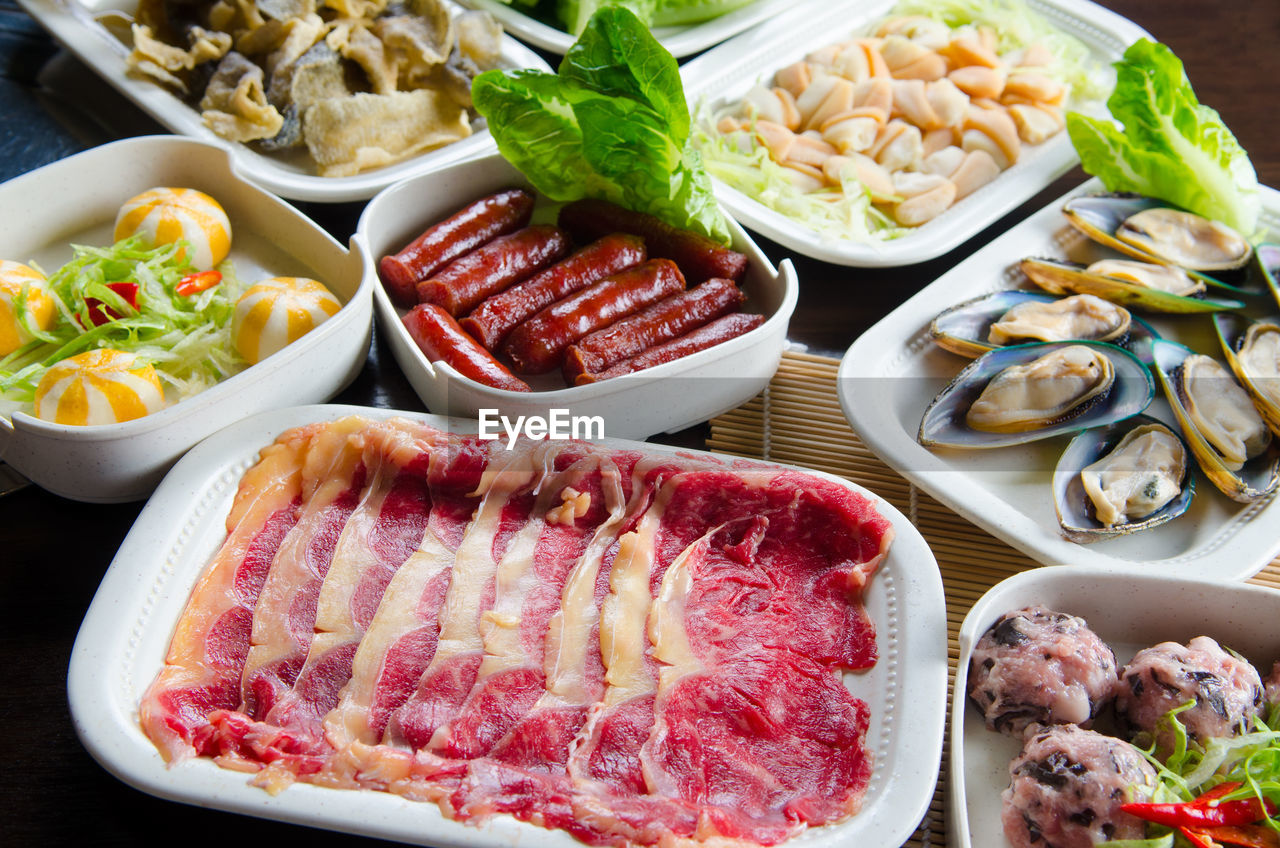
[
  {"x": 1171, "y": 146},
  {"x": 612, "y": 124}
]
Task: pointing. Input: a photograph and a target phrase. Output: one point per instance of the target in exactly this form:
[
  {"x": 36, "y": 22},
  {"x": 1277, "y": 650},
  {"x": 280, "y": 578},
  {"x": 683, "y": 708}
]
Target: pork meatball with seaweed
[
  {"x": 1226, "y": 690},
  {"x": 1036, "y": 665},
  {"x": 1067, "y": 786}
]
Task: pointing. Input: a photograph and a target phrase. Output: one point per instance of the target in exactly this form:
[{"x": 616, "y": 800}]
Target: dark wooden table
[{"x": 53, "y": 552}]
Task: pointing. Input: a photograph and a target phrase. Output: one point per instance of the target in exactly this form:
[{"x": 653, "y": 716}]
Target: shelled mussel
[
  {"x": 1024, "y": 393},
  {"x": 1137, "y": 285},
  {"x": 1122, "y": 478},
  {"x": 1005, "y": 318},
  {"x": 1221, "y": 425},
  {"x": 1253, "y": 352},
  {"x": 1153, "y": 231}
]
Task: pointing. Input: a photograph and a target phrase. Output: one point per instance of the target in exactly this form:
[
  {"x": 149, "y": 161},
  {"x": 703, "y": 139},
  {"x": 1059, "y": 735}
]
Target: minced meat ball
[
  {"x": 1271, "y": 686},
  {"x": 1226, "y": 689},
  {"x": 1066, "y": 788},
  {"x": 1035, "y": 665}
]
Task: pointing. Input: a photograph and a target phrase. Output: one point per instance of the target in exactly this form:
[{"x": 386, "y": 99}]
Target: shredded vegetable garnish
[
  {"x": 1213, "y": 777},
  {"x": 186, "y": 338},
  {"x": 835, "y": 203}
]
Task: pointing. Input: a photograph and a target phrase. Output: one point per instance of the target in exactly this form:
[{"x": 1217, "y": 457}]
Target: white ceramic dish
[
  {"x": 666, "y": 398},
  {"x": 1130, "y": 612},
  {"x": 75, "y": 201},
  {"x": 73, "y": 23},
  {"x": 725, "y": 74},
  {"x": 892, "y": 372},
  {"x": 122, "y": 643},
  {"x": 681, "y": 41}
]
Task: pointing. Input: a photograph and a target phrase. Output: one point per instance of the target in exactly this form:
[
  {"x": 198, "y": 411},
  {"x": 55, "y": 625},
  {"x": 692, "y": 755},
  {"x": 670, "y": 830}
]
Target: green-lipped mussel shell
[
  {"x": 943, "y": 424},
  {"x": 1259, "y": 476},
  {"x": 1232, "y": 331},
  {"x": 1057, "y": 275},
  {"x": 1076, "y": 515}
]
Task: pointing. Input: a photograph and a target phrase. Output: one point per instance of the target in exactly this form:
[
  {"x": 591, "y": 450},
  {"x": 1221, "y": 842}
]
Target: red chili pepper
[
  {"x": 1204, "y": 811},
  {"x": 197, "y": 282},
  {"x": 1248, "y": 835},
  {"x": 99, "y": 313}
]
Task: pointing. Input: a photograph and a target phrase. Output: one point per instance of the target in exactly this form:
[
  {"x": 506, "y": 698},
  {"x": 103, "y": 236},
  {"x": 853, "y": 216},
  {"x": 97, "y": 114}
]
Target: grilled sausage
[
  {"x": 709, "y": 335},
  {"x": 443, "y": 242},
  {"x": 665, "y": 320},
  {"x": 461, "y": 285},
  {"x": 498, "y": 315},
  {"x": 699, "y": 257},
  {"x": 440, "y": 338},
  {"x": 537, "y": 345}
]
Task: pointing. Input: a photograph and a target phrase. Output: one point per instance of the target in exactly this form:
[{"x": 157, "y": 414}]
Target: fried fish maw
[
  {"x": 348, "y": 135},
  {"x": 235, "y": 105}
]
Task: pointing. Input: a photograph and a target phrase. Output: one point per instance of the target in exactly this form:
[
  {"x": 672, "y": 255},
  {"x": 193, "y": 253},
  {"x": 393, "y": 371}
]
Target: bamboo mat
[{"x": 797, "y": 420}]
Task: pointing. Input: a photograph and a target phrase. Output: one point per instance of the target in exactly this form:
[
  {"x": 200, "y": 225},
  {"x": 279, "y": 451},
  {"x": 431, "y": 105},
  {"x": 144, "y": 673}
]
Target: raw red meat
[{"x": 632, "y": 648}]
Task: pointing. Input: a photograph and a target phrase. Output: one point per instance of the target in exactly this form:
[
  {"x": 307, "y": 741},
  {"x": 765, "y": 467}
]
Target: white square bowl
[
  {"x": 75, "y": 26},
  {"x": 1130, "y": 612},
  {"x": 122, "y": 643},
  {"x": 635, "y": 406},
  {"x": 74, "y": 201},
  {"x": 726, "y": 73}
]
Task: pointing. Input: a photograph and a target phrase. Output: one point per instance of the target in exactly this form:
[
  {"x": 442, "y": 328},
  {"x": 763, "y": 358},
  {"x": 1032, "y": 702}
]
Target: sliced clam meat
[
  {"x": 1141, "y": 474},
  {"x": 1166, "y": 278},
  {"x": 1260, "y": 356},
  {"x": 1222, "y": 411},
  {"x": 1045, "y": 390},
  {"x": 1081, "y": 316},
  {"x": 1185, "y": 239}
]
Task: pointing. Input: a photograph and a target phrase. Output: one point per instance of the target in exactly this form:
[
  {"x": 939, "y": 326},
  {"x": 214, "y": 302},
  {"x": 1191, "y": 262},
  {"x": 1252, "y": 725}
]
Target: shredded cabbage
[
  {"x": 739, "y": 160},
  {"x": 186, "y": 339}
]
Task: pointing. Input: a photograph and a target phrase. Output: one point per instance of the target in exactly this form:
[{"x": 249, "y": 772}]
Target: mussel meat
[
  {"x": 1044, "y": 391},
  {"x": 1221, "y": 410},
  {"x": 1119, "y": 479},
  {"x": 1134, "y": 285},
  {"x": 1014, "y": 317},
  {"x": 1023, "y": 393},
  {"x": 1222, "y": 427},
  {"x": 1253, "y": 352},
  {"x": 1149, "y": 229}
]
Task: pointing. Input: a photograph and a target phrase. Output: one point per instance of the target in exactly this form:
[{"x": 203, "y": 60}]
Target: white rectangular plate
[
  {"x": 73, "y": 23},
  {"x": 124, "y": 637},
  {"x": 680, "y": 41},
  {"x": 1130, "y": 612},
  {"x": 892, "y": 372},
  {"x": 726, "y": 73}
]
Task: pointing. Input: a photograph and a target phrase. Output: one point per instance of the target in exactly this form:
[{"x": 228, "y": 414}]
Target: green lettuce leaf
[
  {"x": 612, "y": 124},
  {"x": 1171, "y": 146}
]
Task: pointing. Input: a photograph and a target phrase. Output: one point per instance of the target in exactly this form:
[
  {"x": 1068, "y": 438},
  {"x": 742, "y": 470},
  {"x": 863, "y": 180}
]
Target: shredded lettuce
[
  {"x": 1018, "y": 26},
  {"x": 739, "y": 160},
  {"x": 186, "y": 339},
  {"x": 1170, "y": 146},
  {"x": 612, "y": 124}
]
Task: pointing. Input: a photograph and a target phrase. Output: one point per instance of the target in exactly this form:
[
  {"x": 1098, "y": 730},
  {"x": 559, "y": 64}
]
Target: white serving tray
[
  {"x": 73, "y": 23},
  {"x": 727, "y": 72},
  {"x": 892, "y": 372},
  {"x": 667, "y": 398},
  {"x": 680, "y": 41},
  {"x": 74, "y": 201},
  {"x": 122, "y": 643},
  {"x": 1130, "y": 612}
]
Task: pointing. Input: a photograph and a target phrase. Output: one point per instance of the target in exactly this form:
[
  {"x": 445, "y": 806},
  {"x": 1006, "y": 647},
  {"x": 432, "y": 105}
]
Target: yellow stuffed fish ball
[
  {"x": 98, "y": 387},
  {"x": 165, "y": 215},
  {"x": 13, "y": 277},
  {"x": 275, "y": 312}
]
